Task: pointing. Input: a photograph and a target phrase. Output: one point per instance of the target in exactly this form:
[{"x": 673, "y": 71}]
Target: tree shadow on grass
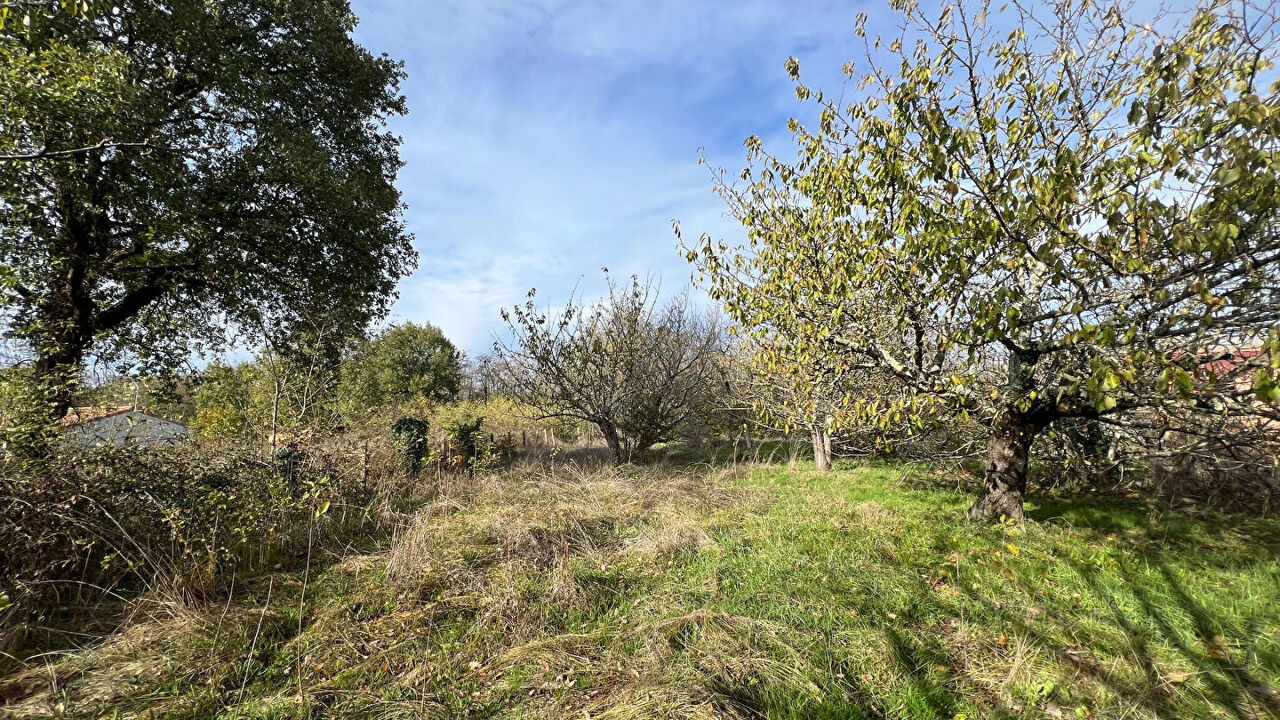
[
  {"x": 1228, "y": 684},
  {"x": 923, "y": 695},
  {"x": 1230, "y": 681},
  {"x": 1182, "y": 652},
  {"x": 1228, "y": 690},
  {"x": 1210, "y": 538}
]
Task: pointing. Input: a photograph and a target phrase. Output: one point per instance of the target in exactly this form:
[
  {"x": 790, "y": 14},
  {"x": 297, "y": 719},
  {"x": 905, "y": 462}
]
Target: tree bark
[
  {"x": 614, "y": 442},
  {"x": 57, "y": 374},
  {"x": 821, "y": 448},
  {"x": 1005, "y": 481}
]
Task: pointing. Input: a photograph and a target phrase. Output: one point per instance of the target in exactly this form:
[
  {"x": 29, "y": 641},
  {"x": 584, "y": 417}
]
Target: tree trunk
[
  {"x": 54, "y": 377},
  {"x": 1005, "y": 482},
  {"x": 57, "y": 382},
  {"x": 613, "y": 441},
  {"x": 275, "y": 413},
  {"x": 58, "y": 371},
  {"x": 821, "y": 448}
]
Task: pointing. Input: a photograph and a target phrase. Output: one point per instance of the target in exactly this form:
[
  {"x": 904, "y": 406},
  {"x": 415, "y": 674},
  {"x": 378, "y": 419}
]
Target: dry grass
[{"x": 697, "y": 595}]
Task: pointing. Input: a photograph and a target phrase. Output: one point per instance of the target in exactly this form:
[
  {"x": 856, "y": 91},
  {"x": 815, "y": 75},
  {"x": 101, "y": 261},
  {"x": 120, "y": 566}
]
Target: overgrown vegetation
[
  {"x": 763, "y": 593},
  {"x": 1053, "y": 234},
  {"x": 83, "y": 529}
]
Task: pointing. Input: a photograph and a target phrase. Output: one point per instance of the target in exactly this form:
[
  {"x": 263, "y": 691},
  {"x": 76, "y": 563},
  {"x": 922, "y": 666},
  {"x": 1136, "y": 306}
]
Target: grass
[{"x": 767, "y": 591}]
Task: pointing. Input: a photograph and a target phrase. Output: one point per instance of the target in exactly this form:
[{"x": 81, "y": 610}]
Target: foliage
[
  {"x": 412, "y": 435},
  {"x": 29, "y": 11},
  {"x": 1076, "y": 218},
  {"x": 25, "y": 423},
  {"x": 637, "y": 370},
  {"x": 812, "y": 393},
  {"x": 175, "y": 519},
  {"x": 288, "y": 387},
  {"x": 507, "y": 417},
  {"x": 223, "y": 405},
  {"x": 166, "y": 169},
  {"x": 464, "y": 435},
  {"x": 400, "y": 364}
]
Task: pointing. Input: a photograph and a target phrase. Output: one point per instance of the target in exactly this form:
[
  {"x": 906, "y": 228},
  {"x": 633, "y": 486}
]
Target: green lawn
[{"x": 764, "y": 592}]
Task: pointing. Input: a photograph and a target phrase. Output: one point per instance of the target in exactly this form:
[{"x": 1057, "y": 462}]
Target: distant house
[
  {"x": 1233, "y": 366},
  {"x": 97, "y": 427},
  {"x": 1231, "y": 370}
]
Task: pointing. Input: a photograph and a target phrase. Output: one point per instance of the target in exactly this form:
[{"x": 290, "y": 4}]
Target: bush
[
  {"x": 412, "y": 435},
  {"x": 26, "y": 424},
  {"x": 463, "y": 429},
  {"x": 175, "y": 520}
]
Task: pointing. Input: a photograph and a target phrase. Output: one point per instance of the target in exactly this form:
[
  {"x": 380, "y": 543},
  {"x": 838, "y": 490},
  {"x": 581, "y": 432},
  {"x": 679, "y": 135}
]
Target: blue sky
[{"x": 547, "y": 139}]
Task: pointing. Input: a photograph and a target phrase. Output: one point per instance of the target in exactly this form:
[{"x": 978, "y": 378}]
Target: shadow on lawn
[
  {"x": 1216, "y": 539},
  {"x": 1219, "y": 654},
  {"x": 925, "y": 695},
  {"x": 1230, "y": 659}
]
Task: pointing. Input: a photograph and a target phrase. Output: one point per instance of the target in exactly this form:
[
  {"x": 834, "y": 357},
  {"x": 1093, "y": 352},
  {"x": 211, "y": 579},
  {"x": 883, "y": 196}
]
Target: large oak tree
[
  {"x": 1057, "y": 211},
  {"x": 170, "y": 168}
]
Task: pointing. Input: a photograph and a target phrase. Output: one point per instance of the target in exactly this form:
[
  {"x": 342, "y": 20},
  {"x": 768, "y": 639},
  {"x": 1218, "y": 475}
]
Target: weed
[{"x": 760, "y": 592}]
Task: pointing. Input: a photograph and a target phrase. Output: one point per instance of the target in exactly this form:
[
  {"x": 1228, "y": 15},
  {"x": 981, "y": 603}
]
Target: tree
[
  {"x": 635, "y": 369},
  {"x": 1073, "y": 216},
  {"x": 787, "y": 393},
  {"x": 25, "y": 11},
  {"x": 289, "y": 385},
  {"x": 283, "y": 389},
  {"x": 169, "y": 169},
  {"x": 399, "y": 364}
]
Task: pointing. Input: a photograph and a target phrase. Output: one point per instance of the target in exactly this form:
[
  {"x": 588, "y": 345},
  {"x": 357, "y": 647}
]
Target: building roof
[
  {"x": 82, "y": 415},
  {"x": 78, "y": 415},
  {"x": 1231, "y": 358}
]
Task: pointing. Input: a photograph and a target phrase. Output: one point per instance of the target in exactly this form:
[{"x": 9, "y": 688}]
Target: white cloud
[{"x": 549, "y": 139}]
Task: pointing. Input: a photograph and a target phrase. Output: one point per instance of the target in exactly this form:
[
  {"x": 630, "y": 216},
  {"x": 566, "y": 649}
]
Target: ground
[{"x": 755, "y": 591}]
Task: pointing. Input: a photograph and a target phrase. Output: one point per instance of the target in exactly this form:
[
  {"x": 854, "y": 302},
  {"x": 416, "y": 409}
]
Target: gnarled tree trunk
[
  {"x": 613, "y": 440},
  {"x": 1005, "y": 481}
]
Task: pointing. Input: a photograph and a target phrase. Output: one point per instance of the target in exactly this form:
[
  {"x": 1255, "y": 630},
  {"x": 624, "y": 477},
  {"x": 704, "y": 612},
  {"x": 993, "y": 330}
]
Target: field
[{"x": 710, "y": 592}]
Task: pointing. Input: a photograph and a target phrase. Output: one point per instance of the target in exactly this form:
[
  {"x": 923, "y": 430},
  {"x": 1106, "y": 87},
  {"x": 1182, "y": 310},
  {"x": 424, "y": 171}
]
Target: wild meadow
[
  {"x": 314, "y": 406},
  {"x": 748, "y": 590}
]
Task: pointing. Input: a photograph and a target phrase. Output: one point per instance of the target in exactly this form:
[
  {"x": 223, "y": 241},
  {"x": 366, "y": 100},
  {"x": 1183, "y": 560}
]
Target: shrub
[
  {"x": 180, "y": 521},
  {"x": 411, "y": 434},
  {"x": 465, "y": 436}
]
